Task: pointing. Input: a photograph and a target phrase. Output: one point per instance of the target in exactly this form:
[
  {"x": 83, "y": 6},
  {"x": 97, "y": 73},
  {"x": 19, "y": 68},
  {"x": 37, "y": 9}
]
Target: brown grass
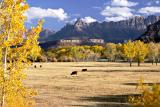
[{"x": 103, "y": 85}]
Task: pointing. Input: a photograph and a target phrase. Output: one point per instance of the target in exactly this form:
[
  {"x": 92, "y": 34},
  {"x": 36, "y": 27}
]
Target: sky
[{"x": 57, "y": 13}]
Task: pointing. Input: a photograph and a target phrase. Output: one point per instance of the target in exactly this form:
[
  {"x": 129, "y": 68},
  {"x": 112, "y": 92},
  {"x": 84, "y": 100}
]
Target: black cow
[
  {"x": 84, "y": 70},
  {"x": 74, "y": 73}
]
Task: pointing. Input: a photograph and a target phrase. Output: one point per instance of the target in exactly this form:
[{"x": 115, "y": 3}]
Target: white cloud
[
  {"x": 71, "y": 21},
  {"x": 157, "y": 2},
  {"x": 124, "y": 3},
  {"x": 149, "y": 10},
  {"x": 117, "y": 13},
  {"x": 89, "y": 19},
  {"x": 118, "y": 10},
  {"x": 115, "y": 19},
  {"x": 37, "y": 12},
  {"x": 154, "y": 2}
]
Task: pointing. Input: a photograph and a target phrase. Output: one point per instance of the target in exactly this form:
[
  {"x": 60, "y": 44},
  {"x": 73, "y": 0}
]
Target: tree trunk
[
  {"x": 156, "y": 62},
  {"x": 139, "y": 62},
  {"x": 115, "y": 59},
  {"x": 130, "y": 61},
  {"x": 4, "y": 77},
  {"x": 152, "y": 61}
]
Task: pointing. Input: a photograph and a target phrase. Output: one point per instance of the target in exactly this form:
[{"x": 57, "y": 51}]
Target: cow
[
  {"x": 84, "y": 70},
  {"x": 74, "y": 73}
]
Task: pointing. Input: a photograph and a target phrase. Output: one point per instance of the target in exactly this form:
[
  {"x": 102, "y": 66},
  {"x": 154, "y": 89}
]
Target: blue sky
[{"x": 59, "y": 12}]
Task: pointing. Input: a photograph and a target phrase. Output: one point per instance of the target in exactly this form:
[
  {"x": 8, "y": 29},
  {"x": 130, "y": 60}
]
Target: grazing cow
[
  {"x": 84, "y": 70},
  {"x": 74, "y": 73},
  {"x": 35, "y": 66},
  {"x": 40, "y": 66}
]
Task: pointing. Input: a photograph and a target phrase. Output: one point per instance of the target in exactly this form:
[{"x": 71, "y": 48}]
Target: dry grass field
[{"x": 103, "y": 85}]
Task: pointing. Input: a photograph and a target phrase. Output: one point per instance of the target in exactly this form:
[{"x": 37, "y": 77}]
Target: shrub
[
  {"x": 41, "y": 59},
  {"x": 150, "y": 96},
  {"x": 52, "y": 59}
]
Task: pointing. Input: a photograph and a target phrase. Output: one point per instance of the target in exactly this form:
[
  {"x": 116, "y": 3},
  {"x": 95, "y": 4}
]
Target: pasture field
[{"x": 103, "y": 85}]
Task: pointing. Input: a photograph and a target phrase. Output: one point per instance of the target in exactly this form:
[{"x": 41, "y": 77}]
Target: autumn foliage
[
  {"x": 150, "y": 96},
  {"x": 17, "y": 45},
  {"x": 131, "y": 51}
]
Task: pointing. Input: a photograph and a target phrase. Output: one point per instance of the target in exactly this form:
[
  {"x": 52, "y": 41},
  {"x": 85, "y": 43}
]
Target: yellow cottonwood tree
[
  {"x": 110, "y": 51},
  {"x": 158, "y": 57},
  {"x": 17, "y": 45},
  {"x": 119, "y": 53},
  {"x": 153, "y": 52},
  {"x": 141, "y": 51},
  {"x": 129, "y": 51}
]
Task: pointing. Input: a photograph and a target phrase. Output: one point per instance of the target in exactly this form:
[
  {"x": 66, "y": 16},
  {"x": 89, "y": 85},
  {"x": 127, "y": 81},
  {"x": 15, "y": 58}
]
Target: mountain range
[{"x": 109, "y": 31}]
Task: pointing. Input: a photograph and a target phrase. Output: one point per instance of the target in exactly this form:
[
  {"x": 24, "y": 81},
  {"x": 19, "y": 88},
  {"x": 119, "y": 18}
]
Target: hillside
[
  {"x": 152, "y": 34},
  {"x": 109, "y": 31},
  {"x": 44, "y": 35}
]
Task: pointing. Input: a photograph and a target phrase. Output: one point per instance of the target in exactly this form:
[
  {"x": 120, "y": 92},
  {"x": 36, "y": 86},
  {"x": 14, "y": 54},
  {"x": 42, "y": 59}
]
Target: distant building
[
  {"x": 96, "y": 41},
  {"x": 70, "y": 41}
]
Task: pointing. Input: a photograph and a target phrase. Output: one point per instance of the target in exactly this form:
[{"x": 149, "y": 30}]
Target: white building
[
  {"x": 70, "y": 41},
  {"x": 101, "y": 41}
]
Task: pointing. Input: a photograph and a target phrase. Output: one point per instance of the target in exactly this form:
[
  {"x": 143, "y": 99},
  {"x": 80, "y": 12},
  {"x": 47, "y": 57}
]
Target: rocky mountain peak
[
  {"x": 152, "y": 19},
  {"x": 80, "y": 24}
]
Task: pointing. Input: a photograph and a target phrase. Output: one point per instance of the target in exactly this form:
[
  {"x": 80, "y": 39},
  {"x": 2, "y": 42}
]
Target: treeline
[
  {"x": 72, "y": 54},
  {"x": 136, "y": 51}
]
